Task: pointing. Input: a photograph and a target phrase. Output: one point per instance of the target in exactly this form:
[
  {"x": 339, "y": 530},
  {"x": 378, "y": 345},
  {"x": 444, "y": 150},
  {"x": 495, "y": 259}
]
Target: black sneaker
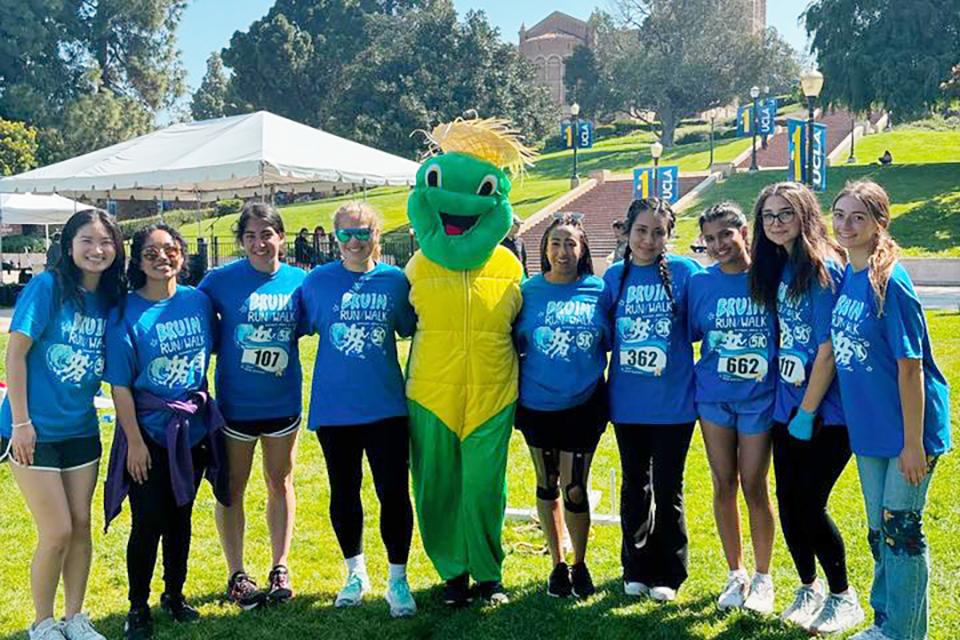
[
  {"x": 280, "y": 588},
  {"x": 582, "y": 582},
  {"x": 456, "y": 592},
  {"x": 177, "y": 608},
  {"x": 139, "y": 624},
  {"x": 492, "y": 593},
  {"x": 243, "y": 591},
  {"x": 558, "y": 585}
]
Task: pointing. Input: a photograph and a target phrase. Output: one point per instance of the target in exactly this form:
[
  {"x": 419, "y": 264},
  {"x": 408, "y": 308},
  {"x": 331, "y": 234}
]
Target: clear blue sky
[{"x": 208, "y": 24}]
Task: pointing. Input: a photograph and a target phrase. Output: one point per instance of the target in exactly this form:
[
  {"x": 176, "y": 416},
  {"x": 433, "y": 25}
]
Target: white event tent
[
  {"x": 241, "y": 156},
  {"x": 28, "y": 208}
]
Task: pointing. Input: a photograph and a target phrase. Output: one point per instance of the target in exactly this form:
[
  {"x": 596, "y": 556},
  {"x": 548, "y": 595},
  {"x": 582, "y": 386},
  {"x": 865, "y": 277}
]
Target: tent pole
[
  {"x": 46, "y": 232},
  {"x": 161, "y": 203},
  {"x": 263, "y": 188},
  {"x": 364, "y": 189}
]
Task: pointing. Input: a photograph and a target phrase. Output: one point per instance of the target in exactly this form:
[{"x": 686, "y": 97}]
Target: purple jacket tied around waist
[{"x": 117, "y": 485}]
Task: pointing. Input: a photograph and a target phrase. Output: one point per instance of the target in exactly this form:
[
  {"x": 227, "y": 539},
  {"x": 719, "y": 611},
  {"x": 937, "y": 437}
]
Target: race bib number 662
[{"x": 746, "y": 366}]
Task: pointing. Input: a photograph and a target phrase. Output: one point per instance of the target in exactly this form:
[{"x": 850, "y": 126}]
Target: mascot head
[{"x": 460, "y": 207}]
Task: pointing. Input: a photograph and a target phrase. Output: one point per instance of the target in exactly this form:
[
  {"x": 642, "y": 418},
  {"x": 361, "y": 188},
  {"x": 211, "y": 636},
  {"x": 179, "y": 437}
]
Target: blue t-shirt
[
  {"x": 866, "y": 349},
  {"x": 163, "y": 347},
  {"x": 561, "y": 333},
  {"x": 804, "y": 325},
  {"x": 738, "y": 352},
  {"x": 356, "y": 376},
  {"x": 651, "y": 368},
  {"x": 258, "y": 361},
  {"x": 64, "y": 364}
]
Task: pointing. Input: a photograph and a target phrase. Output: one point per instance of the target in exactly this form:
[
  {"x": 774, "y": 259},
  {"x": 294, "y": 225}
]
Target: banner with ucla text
[
  {"x": 797, "y": 148},
  {"x": 767, "y": 118},
  {"x": 668, "y": 183}
]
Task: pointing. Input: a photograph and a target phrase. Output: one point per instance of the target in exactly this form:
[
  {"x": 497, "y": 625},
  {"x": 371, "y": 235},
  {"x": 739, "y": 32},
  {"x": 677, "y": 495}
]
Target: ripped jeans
[{"x": 901, "y": 558}]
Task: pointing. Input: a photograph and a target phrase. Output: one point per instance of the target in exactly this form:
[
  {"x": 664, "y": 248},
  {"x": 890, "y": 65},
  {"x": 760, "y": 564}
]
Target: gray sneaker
[
  {"x": 806, "y": 606},
  {"x": 840, "y": 612},
  {"x": 49, "y": 629},
  {"x": 79, "y": 628}
]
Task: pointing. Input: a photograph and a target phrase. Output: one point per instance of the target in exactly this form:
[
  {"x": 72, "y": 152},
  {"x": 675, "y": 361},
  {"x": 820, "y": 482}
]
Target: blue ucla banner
[
  {"x": 668, "y": 183},
  {"x": 797, "y": 143},
  {"x": 767, "y": 118},
  {"x": 583, "y": 139},
  {"x": 744, "y": 121}
]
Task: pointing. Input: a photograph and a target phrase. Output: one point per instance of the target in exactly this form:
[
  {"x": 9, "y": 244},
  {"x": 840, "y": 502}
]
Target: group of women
[{"x": 791, "y": 322}]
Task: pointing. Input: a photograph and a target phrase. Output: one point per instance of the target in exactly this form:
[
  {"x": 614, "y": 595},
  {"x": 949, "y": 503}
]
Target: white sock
[
  {"x": 356, "y": 565},
  {"x": 396, "y": 571}
]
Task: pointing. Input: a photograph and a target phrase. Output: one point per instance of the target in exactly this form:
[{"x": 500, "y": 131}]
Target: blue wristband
[{"x": 801, "y": 427}]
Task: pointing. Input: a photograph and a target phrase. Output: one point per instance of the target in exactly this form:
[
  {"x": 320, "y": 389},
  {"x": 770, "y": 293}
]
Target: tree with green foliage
[
  {"x": 677, "y": 58},
  {"x": 585, "y": 83},
  {"x": 18, "y": 147},
  {"x": 212, "y": 99},
  {"x": 885, "y": 53}
]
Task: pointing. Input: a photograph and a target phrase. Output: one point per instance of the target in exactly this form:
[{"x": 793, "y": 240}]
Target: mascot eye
[
  {"x": 487, "y": 186},
  {"x": 433, "y": 176}
]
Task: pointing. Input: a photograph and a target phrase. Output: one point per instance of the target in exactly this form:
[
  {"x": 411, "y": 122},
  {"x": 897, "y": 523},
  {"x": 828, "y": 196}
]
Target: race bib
[
  {"x": 744, "y": 365},
  {"x": 649, "y": 360},
  {"x": 268, "y": 359},
  {"x": 792, "y": 369}
]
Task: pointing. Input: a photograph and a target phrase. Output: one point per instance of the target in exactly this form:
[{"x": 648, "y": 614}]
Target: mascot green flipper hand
[{"x": 463, "y": 370}]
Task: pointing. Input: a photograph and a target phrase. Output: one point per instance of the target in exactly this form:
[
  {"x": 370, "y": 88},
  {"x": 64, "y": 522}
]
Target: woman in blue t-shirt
[
  {"x": 259, "y": 385},
  {"x": 561, "y": 335},
  {"x": 797, "y": 272},
  {"x": 158, "y": 347},
  {"x": 357, "y": 305},
  {"x": 735, "y": 380},
  {"x": 901, "y": 423},
  {"x": 652, "y": 400},
  {"x": 48, "y": 423}
]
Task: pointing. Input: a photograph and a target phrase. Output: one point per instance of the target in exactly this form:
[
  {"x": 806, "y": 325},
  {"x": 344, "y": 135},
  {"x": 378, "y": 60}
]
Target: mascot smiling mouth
[{"x": 456, "y": 225}]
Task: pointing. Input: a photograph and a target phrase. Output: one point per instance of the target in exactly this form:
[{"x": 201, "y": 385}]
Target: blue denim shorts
[{"x": 748, "y": 418}]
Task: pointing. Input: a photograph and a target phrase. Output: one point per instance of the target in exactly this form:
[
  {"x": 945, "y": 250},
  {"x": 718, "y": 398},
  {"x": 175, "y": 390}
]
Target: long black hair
[
  {"x": 135, "y": 274},
  {"x": 661, "y": 210},
  {"x": 266, "y": 213},
  {"x": 69, "y": 277},
  {"x": 585, "y": 263}
]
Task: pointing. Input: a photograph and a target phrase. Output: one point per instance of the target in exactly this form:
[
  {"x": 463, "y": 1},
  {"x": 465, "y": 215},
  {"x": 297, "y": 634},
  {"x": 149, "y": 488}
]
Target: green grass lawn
[
  {"x": 317, "y": 567},
  {"x": 925, "y": 197},
  {"x": 910, "y": 146}
]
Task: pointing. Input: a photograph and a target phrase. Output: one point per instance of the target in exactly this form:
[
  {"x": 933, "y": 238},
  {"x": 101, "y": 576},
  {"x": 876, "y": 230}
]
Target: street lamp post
[
  {"x": 712, "y": 114},
  {"x": 575, "y": 112},
  {"x": 853, "y": 138},
  {"x": 766, "y": 99},
  {"x": 754, "y": 93},
  {"x": 656, "y": 150},
  {"x": 812, "y": 83}
]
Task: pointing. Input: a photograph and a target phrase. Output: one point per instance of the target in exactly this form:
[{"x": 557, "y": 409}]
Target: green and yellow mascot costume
[{"x": 463, "y": 370}]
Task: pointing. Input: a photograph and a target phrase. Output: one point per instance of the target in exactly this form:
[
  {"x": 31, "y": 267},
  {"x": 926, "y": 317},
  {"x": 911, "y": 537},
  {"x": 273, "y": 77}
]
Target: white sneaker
[
  {"x": 636, "y": 589},
  {"x": 735, "y": 593},
  {"x": 873, "y": 633},
  {"x": 663, "y": 594},
  {"x": 806, "y": 606},
  {"x": 79, "y": 628},
  {"x": 760, "y": 598},
  {"x": 398, "y": 596},
  {"x": 840, "y": 612},
  {"x": 351, "y": 595},
  {"x": 49, "y": 629}
]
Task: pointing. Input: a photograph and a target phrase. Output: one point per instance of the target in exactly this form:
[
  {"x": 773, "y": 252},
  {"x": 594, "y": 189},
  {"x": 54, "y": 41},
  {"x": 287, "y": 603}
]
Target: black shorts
[
  {"x": 63, "y": 455},
  {"x": 251, "y": 430},
  {"x": 577, "y": 429}
]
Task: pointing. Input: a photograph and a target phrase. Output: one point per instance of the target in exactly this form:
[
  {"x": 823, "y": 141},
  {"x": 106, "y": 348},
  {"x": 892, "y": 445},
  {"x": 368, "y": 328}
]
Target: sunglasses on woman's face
[
  {"x": 363, "y": 234},
  {"x": 153, "y": 253}
]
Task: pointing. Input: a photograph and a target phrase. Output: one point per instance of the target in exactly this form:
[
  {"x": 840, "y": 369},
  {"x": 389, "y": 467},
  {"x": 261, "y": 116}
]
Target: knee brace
[
  {"x": 903, "y": 532},
  {"x": 577, "y": 482},
  {"x": 551, "y": 469}
]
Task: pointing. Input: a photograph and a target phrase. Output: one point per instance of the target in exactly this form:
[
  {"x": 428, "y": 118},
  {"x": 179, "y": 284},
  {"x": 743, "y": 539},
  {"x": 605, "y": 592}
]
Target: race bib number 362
[
  {"x": 746, "y": 366},
  {"x": 649, "y": 360}
]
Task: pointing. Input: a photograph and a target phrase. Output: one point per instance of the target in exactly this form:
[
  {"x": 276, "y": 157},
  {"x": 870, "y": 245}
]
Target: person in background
[
  {"x": 514, "y": 242},
  {"x": 48, "y": 424},
  {"x": 53, "y": 252},
  {"x": 303, "y": 252},
  {"x": 622, "y": 234}
]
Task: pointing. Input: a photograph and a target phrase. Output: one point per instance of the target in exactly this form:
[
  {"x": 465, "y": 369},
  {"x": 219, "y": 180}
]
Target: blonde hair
[
  {"x": 886, "y": 252},
  {"x": 368, "y": 214}
]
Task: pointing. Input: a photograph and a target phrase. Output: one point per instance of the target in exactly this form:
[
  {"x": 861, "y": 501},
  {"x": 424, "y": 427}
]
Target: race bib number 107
[{"x": 269, "y": 359}]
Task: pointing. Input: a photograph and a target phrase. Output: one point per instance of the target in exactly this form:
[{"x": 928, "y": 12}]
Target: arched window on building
[
  {"x": 541, "y": 70},
  {"x": 555, "y": 76}
]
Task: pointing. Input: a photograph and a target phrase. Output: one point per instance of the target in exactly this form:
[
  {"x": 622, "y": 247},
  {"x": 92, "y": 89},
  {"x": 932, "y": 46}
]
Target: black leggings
[
  {"x": 654, "y": 550},
  {"x": 806, "y": 472},
  {"x": 387, "y": 443},
  {"x": 155, "y": 517}
]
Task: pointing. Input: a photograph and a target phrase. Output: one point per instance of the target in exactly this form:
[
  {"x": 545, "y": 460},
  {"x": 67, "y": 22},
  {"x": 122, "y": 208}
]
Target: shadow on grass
[{"x": 530, "y": 614}]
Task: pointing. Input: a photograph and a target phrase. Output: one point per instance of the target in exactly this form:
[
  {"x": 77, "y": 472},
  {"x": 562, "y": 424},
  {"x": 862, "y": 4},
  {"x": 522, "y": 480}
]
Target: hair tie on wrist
[{"x": 22, "y": 424}]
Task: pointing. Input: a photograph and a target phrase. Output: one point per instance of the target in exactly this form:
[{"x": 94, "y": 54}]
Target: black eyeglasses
[{"x": 784, "y": 217}]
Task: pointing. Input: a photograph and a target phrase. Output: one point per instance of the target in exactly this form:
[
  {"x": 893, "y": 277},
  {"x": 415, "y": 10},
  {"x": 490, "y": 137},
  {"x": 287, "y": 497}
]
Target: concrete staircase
[{"x": 776, "y": 153}]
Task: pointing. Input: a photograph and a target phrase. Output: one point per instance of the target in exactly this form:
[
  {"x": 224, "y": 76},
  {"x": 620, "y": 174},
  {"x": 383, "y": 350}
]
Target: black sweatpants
[
  {"x": 387, "y": 444},
  {"x": 156, "y": 518},
  {"x": 806, "y": 472},
  {"x": 655, "y": 545}
]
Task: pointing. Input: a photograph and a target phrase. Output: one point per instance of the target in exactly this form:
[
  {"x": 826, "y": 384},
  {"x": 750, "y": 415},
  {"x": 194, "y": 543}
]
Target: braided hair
[{"x": 662, "y": 211}]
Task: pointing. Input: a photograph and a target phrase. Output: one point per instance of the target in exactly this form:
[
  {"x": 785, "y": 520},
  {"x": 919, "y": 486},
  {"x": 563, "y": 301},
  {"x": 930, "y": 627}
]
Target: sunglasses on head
[
  {"x": 567, "y": 215},
  {"x": 363, "y": 234},
  {"x": 153, "y": 253}
]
